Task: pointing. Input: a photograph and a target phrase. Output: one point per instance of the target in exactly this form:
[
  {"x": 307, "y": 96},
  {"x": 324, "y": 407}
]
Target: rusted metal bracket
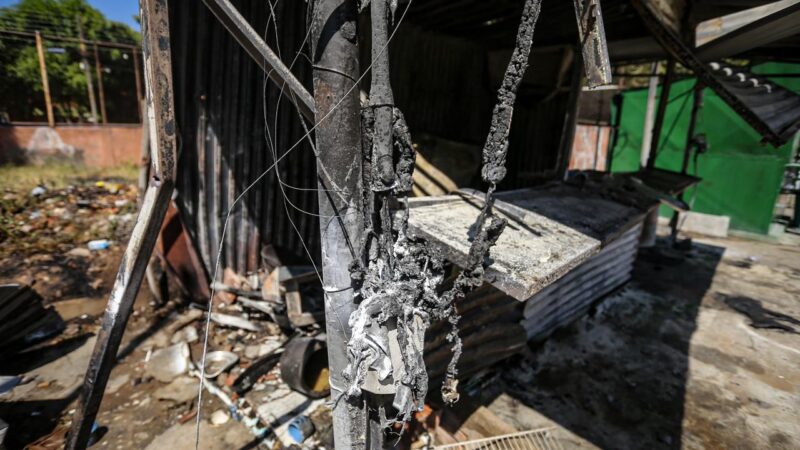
[
  {"x": 252, "y": 43},
  {"x": 593, "y": 42},
  {"x": 161, "y": 117}
]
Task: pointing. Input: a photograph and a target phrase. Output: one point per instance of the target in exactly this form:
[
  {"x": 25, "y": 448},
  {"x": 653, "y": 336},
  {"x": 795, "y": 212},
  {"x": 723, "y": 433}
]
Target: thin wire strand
[{"x": 244, "y": 192}]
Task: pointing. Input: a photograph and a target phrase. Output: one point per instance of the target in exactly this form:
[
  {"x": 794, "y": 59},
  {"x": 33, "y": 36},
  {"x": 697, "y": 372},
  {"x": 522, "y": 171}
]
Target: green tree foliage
[{"x": 20, "y": 78}]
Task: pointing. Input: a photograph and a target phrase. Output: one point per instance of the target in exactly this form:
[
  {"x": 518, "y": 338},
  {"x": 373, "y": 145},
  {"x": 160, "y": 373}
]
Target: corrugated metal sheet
[
  {"x": 777, "y": 107},
  {"x": 220, "y": 95},
  {"x": 571, "y": 296},
  {"x": 489, "y": 328}
]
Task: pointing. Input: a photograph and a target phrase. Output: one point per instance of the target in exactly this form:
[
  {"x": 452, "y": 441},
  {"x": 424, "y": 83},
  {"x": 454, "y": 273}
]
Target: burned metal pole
[
  {"x": 161, "y": 115},
  {"x": 697, "y": 105},
  {"x": 334, "y": 38}
]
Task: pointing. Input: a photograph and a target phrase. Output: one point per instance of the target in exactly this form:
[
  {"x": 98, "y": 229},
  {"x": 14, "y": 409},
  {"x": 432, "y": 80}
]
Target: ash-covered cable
[{"x": 399, "y": 276}]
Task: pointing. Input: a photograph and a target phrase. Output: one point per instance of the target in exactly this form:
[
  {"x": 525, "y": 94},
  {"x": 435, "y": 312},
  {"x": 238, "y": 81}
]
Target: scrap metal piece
[
  {"x": 551, "y": 230},
  {"x": 226, "y": 320},
  {"x": 250, "y": 376},
  {"x": 592, "y": 36},
  {"x": 24, "y": 320},
  {"x": 538, "y": 439},
  {"x": 218, "y": 362},
  {"x": 762, "y": 25},
  {"x": 163, "y": 135},
  {"x": 272, "y": 65},
  {"x": 304, "y": 366}
]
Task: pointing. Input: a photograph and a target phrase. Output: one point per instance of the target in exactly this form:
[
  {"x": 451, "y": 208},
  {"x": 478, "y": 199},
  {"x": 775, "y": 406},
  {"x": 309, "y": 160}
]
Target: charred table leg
[{"x": 158, "y": 79}]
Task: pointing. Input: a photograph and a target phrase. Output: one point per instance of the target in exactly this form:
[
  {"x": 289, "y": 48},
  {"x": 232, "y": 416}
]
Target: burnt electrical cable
[{"x": 398, "y": 277}]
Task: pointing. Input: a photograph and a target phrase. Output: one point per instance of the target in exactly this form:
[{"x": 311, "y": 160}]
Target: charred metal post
[
  {"x": 663, "y": 101},
  {"x": 381, "y": 98},
  {"x": 161, "y": 117},
  {"x": 697, "y": 105},
  {"x": 334, "y": 38}
]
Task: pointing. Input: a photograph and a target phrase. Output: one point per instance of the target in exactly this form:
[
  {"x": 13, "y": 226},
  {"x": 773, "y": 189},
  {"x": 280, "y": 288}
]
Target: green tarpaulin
[{"x": 741, "y": 176}]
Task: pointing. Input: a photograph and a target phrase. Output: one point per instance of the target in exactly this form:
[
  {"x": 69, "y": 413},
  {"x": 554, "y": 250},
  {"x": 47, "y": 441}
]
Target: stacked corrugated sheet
[
  {"x": 489, "y": 328},
  {"x": 566, "y": 246},
  {"x": 570, "y": 297}
]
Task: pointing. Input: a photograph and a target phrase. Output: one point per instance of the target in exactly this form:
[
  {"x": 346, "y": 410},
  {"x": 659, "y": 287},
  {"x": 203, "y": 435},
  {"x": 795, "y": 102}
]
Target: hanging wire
[{"x": 242, "y": 195}]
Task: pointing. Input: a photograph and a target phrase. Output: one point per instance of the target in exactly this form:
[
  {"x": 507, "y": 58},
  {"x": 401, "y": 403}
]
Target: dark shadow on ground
[
  {"x": 618, "y": 376},
  {"x": 30, "y": 420}
]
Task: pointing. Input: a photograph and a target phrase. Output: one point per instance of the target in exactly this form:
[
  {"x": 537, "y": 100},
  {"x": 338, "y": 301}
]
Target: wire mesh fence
[{"x": 44, "y": 74}]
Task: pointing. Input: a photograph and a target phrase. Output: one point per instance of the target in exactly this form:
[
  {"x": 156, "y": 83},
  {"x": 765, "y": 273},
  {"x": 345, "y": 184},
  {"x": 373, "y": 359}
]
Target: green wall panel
[{"x": 741, "y": 176}]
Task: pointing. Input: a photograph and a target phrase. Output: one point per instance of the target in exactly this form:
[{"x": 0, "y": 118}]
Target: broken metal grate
[{"x": 539, "y": 439}]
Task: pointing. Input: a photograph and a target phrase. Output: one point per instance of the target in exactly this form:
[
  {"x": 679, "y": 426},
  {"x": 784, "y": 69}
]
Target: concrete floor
[{"x": 700, "y": 351}]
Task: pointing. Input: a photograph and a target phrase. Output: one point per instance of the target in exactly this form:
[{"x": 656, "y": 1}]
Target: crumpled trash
[
  {"x": 168, "y": 363},
  {"x": 219, "y": 417},
  {"x": 99, "y": 244}
]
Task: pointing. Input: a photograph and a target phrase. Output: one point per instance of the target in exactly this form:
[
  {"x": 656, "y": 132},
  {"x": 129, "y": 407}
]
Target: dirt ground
[{"x": 699, "y": 350}]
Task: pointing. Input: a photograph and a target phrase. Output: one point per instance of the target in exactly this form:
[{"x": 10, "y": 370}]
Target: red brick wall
[
  {"x": 97, "y": 146},
  {"x": 584, "y": 148}
]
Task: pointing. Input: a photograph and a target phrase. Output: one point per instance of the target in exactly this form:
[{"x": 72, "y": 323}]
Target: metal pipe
[
  {"x": 161, "y": 115},
  {"x": 697, "y": 105},
  {"x": 334, "y": 38},
  {"x": 663, "y": 101},
  {"x": 647, "y": 131},
  {"x": 381, "y": 98},
  {"x": 252, "y": 43}
]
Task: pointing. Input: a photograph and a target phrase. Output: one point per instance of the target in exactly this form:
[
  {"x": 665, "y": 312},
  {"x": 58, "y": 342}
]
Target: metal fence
[
  {"x": 540, "y": 439},
  {"x": 51, "y": 78}
]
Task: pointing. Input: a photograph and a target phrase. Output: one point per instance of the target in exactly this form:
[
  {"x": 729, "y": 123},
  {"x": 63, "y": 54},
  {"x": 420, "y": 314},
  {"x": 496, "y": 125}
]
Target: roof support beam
[
  {"x": 772, "y": 27},
  {"x": 252, "y": 43}
]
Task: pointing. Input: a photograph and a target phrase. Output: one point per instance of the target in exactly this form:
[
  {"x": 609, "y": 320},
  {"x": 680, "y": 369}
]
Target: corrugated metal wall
[
  {"x": 442, "y": 84},
  {"x": 219, "y": 95},
  {"x": 444, "y": 87}
]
